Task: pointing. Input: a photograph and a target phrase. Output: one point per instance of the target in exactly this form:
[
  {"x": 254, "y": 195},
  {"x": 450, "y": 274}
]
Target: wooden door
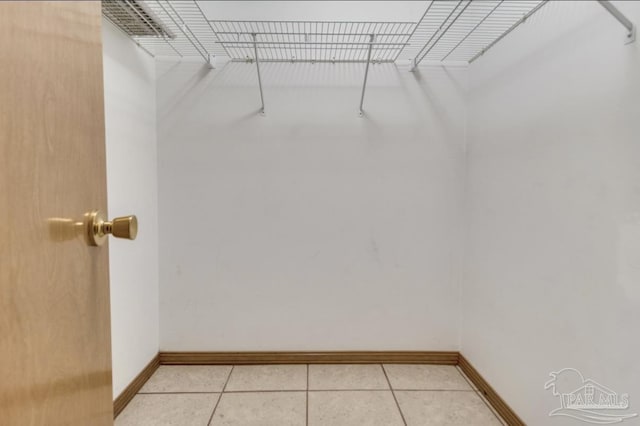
[{"x": 55, "y": 349}]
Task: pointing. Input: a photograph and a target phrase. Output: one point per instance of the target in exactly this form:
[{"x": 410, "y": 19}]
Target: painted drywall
[
  {"x": 130, "y": 112},
  {"x": 553, "y": 248},
  {"x": 309, "y": 228}
]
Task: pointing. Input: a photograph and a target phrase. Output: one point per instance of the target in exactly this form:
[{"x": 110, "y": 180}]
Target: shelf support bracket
[
  {"x": 366, "y": 73},
  {"x": 255, "y": 50},
  {"x": 615, "y": 12}
]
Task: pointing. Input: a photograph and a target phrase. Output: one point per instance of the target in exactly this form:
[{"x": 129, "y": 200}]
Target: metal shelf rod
[
  {"x": 312, "y": 22},
  {"x": 255, "y": 50},
  {"x": 328, "y": 43},
  {"x": 315, "y": 34},
  {"x": 366, "y": 74},
  {"x": 615, "y": 12},
  {"x": 318, "y": 61}
]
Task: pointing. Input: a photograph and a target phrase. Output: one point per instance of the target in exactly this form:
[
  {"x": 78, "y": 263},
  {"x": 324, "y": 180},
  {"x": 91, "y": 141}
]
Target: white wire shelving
[
  {"x": 188, "y": 33},
  {"x": 449, "y": 31},
  {"x": 458, "y": 31},
  {"x": 313, "y": 41}
]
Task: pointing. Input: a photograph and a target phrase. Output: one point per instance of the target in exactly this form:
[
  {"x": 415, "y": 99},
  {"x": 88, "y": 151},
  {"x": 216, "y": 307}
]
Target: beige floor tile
[
  {"x": 445, "y": 408},
  {"x": 353, "y": 408},
  {"x": 425, "y": 377},
  {"x": 261, "y": 409},
  {"x": 268, "y": 377},
  {"x": 168, "y": 410},
  {"x": 347, "y": 376},
  {"x": 187, "y": 378}
]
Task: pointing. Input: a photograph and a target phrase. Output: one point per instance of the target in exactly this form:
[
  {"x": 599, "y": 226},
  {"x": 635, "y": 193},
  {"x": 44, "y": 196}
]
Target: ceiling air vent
[{"x": 134, "y": 19}]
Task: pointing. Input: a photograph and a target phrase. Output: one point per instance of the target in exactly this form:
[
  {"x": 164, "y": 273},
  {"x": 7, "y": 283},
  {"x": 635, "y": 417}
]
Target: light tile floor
[{"x": 314, "y": 395}]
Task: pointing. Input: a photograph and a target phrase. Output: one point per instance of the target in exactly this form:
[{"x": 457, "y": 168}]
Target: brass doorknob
[{"x": 98, "y": 227}]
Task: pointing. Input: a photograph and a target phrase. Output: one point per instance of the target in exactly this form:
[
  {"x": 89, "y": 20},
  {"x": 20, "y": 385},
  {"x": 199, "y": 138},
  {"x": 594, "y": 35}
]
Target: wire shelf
[
  {"x": 448, "y": 31},
  {"x": 313, "y": 41},
  {"x": 192, "y": 34},
  {"x": 458, "y": 31}
]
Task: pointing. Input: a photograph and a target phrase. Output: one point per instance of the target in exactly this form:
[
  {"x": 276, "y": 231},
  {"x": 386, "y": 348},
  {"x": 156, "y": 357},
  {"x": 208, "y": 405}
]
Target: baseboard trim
[
  {"x": 130, "y": 391},
  {"x": 498, "y": 404},
  {"x": 335, "y": 357},
  {"x": 368, "y": 357}
]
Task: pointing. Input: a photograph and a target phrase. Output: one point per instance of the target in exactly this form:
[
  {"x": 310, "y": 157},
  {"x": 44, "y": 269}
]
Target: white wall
[
  {"x": 313, "y": 229},
  {"x": 553, "y": 277},
  {"x": 130, "y": 110},
  {"x": 309, "y": 228}
]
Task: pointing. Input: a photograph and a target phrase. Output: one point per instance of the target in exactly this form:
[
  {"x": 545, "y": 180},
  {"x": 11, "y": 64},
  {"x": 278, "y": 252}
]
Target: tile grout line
[
  {"x": 220, "y": 396},
  {"x": 394, "y": 395},
  {"x": 480, "y": 395},
  {"x": 224, "y": 388},
  {"x": 307, "y": 422}
]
